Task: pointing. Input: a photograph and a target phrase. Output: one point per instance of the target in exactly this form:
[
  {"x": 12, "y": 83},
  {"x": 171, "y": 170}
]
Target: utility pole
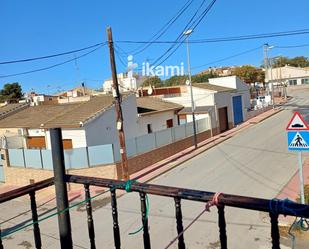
[
  {"x": 267, "y": 65},
  {"x": 118, "y": 100},
  {"x": 187, "y": 33}
]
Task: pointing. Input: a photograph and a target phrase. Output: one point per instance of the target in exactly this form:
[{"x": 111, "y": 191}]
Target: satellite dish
[
  {"x": 150, "y": 90},
  {"x": 187, "y": 82}
]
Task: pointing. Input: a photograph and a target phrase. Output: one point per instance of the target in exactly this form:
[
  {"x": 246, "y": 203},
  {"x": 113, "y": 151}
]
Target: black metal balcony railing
[{"x": 273, "y": 207}]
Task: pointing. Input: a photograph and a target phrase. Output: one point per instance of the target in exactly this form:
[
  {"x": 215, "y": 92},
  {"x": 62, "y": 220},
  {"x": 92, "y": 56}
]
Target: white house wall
[
  {"x": 241, "y": 89},
  {"x": 78, "y": 137},
  {"x": 286, "y": 73},
  {"x": 157, "y": 121},
  {"x": 229, "y": 81},
  {"x": 36, "y": 132},
  {"x": 102, "y": 130},
  {"x": 224, "y": 99}
]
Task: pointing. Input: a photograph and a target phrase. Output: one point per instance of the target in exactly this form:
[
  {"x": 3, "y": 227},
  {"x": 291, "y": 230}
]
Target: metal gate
[{"x": 237, "y": 110}]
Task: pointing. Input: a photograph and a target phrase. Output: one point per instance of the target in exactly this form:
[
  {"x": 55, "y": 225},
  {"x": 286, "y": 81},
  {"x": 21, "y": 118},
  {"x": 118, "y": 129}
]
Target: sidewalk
[{"x": 292, "y": 189}]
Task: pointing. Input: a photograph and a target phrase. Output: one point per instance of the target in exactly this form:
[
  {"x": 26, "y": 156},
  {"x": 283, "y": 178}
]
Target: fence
[
  {"x": 85, "y": 157},
  {"x": 11, "y": 142},
  {"x": 76, "y": 158},
  {"x": 148, "y": 142},
  {"x": 254, "y": 113}
]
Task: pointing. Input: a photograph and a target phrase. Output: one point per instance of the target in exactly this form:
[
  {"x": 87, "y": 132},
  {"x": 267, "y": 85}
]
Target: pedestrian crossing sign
[{"x": 298, "y": 140}]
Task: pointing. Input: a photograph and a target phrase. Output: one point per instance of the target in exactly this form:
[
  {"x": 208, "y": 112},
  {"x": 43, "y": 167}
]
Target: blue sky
[{"x": 35, "y": 28}]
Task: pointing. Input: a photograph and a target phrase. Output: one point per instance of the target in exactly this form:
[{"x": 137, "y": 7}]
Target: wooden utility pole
[{"x": 118, "y": 100}]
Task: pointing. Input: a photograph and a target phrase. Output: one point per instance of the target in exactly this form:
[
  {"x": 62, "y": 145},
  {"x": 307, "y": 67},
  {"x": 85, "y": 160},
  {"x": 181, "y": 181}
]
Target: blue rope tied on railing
[{"x": 275, "y": 205}]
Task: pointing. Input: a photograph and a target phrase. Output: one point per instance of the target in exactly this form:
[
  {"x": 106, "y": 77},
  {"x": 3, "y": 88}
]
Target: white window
[
  {"x": 305, "y": 81},
  {"x": 292, "y": 82}
]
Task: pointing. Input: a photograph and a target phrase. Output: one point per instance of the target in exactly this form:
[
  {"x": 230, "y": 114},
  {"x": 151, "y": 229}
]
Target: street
[{"x": 254, "y": 163}]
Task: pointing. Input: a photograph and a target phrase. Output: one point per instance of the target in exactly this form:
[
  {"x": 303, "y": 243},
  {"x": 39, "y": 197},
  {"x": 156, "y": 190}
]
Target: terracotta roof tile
[
  {"x": 149, "y": 105},
  {"x": 60, "y": 115}
]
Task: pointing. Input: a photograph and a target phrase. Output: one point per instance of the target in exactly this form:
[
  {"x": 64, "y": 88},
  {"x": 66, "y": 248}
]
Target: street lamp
[
  {"x": 187, "y": 34},
  {"x": 267, "y": 64}
]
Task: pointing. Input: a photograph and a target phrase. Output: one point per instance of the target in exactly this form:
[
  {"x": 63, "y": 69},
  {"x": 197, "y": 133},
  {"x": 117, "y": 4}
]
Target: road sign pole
[{"x": 301, "y": 178}]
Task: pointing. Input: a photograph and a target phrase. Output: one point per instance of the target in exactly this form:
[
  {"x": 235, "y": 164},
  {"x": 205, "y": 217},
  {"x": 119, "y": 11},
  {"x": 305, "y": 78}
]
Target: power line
[
  {"x": 188, "y": 26},
  {"x": 293, "y": 46},
  {"x": 164, "y": 29},
  {"x": 228, "y": 57},
  {"x": 229, "y": 38},
  {"x": 52, "y": 66},
  {"x": 248, "y": 51},
  {"x": 181, "y": 34},
  {"x": 119, "y": 57},
  {"x": 51, "y": 56}
]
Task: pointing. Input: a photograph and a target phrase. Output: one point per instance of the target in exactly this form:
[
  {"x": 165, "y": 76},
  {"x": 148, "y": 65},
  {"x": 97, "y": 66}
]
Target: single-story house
[
  {"x": 224, "y": 100},
  {"x": 87, "y": 123},
  {"x": 155, "y": 114}
]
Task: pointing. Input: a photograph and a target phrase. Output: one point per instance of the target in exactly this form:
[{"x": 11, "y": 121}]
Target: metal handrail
[
  {"x": 266, "y": 205},
  {"x": 15, "y": 193}
]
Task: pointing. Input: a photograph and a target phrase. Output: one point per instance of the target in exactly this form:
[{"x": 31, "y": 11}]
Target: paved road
[{"x": 255, "y": 163}]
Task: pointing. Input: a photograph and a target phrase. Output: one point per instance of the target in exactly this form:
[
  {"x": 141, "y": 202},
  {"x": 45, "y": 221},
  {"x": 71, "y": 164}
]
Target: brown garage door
[
  {"x": 36, "y": 142},
  {"x": 223, "y": 120}
]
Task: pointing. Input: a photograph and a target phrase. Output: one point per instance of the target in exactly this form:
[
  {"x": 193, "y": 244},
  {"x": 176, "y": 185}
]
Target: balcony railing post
[
  {"x": 146, "y": 236},
  {"x": 64, "y": 222},
  {"x": 222, "y": 227},
  {"x": 275, "y": 235},
  {"x": 181, "y": 242},
  {"x": 36, "y": 228},
  {"x": 115, "y": 219},
  {"x": 89, "y": 217},
  {"x": 1, "y": 245}
]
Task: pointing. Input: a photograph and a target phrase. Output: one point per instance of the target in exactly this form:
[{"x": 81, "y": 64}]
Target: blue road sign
[{"x": 298, "y": 140}]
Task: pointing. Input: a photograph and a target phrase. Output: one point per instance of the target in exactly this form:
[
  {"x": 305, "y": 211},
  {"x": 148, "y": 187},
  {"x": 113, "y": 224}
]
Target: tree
[
  {"x": 11, "y": 91},
  {"x": 298, "y": 61},
  {"x": 153, "y": 81},
  {"x": 250, "y": 74},
  {"x": 176, "y": 81},
  {"x": 279, "y": 61},
  {"x": 203, "y": 77}
]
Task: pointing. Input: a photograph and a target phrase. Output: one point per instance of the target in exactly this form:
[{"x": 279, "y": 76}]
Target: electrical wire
[
  {"x": 181, "y": 35},
  {"x": 191, "y": 22},
  {"x": 118, "y": 54},
  {"x": 228, "y": 57},
  {"x": 52, "y": 66},
  {"x": 51, "y": 56},
  {"x": 293, "y": 46},
  {"x": 164, "y": 29},
  {"x": 229, "y": 38}
]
